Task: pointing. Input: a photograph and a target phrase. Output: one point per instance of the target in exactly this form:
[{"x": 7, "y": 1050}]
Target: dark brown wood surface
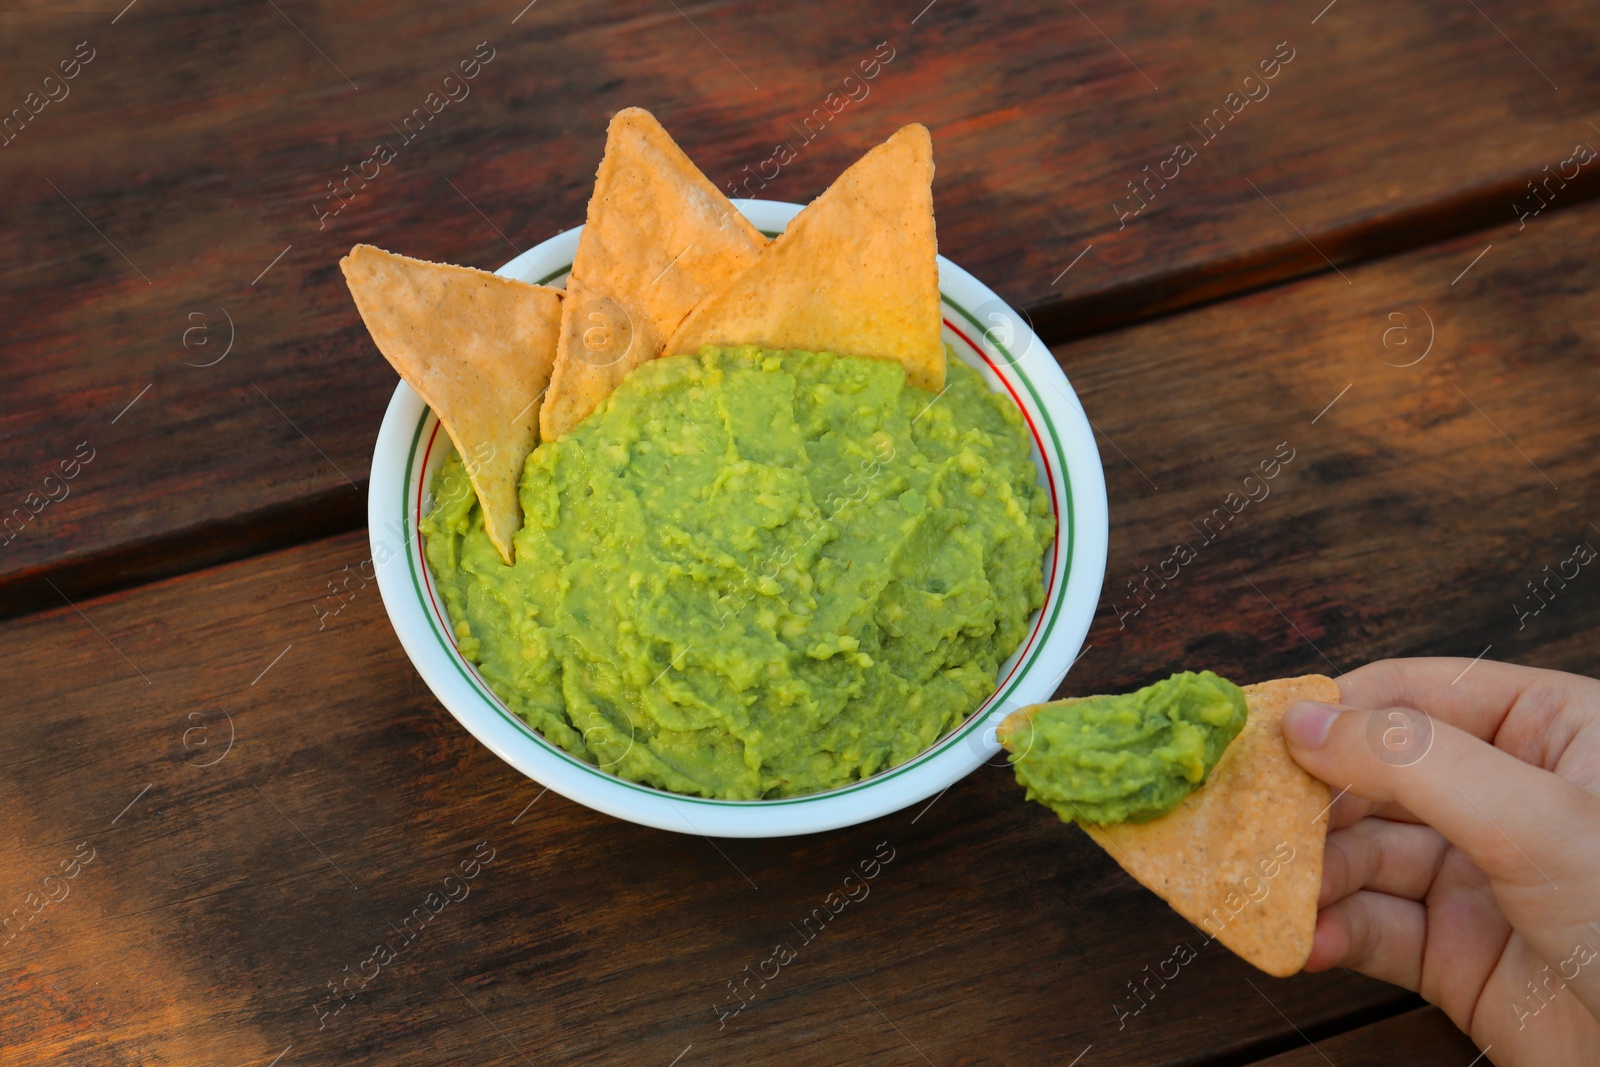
[
  {"x": 229, "y": 885},
  {"x": 178, "y": 196},
  {"x": 1421, "y": 1038},
  {"x": 1421, "y": 499}
]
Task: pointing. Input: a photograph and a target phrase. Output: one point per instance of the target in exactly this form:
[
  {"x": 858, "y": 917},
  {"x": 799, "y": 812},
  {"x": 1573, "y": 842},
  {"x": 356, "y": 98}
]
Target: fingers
[
  {"x": 1513, "y": 819},
  {"x": 1477, "y": 696},
  {"x": 1446, "y": 950},
  {"x": 1380, "y": 936},
  {"x": 1398, "y": 859},
  {"x": 1349, "y": 809}
]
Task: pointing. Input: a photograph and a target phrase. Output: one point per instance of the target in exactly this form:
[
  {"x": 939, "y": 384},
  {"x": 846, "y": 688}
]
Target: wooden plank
[
  {"x": 1422, "y": 499},
  {"x": 229, "y": 885},
  {"x": 1422, "y": 1038},
  {"x": 181, "y": 196}
]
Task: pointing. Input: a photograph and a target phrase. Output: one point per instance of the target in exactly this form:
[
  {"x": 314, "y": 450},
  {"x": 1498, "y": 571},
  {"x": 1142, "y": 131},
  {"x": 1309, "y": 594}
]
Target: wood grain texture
[
  {"x": 1422, "y": 1038},
  {"x": 181, "y": 193},
  {"x": 228, "y": 886},
  {"x": 1421, "y": 500}
]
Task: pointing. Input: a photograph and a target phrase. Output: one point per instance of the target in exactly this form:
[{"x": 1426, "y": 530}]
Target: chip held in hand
[{"x": 1241, "y": 855}]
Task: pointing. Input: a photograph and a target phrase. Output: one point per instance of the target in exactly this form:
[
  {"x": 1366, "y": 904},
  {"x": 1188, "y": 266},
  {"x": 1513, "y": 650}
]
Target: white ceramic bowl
[{"x": 985, "y": 333}]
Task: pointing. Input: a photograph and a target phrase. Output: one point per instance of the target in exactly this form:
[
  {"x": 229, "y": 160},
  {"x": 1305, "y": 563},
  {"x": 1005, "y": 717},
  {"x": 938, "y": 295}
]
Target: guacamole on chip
[
  {"x": 1240, "y": 858},
  {"x": 1112, "y": 759},
  {"x": 754, "y": 573}
]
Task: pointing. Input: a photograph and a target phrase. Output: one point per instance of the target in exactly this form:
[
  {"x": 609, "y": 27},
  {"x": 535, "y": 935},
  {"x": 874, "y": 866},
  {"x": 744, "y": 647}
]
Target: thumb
[{"x": 1513, "y": 819}]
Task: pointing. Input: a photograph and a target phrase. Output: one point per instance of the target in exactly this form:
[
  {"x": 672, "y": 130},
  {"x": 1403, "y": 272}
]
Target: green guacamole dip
[
  {"x": 753, "y": 573},
  {"x": 1128, "y": 758}
]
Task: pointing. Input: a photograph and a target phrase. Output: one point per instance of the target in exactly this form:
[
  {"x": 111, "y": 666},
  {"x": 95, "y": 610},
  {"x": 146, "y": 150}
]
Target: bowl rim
[{"x": 1077, "y": 560}]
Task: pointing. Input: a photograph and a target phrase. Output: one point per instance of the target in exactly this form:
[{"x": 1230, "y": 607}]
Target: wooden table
[{"x": 1353, "y": 263}]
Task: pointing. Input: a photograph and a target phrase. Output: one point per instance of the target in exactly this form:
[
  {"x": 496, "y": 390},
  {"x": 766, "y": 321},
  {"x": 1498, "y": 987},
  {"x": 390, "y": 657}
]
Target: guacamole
[
  {"x": 754, "y": 573},
  {"x": 1127, "y": 758}
]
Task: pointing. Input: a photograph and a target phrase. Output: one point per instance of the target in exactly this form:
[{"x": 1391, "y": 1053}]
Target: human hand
[{"x": 1463, "y": 861}]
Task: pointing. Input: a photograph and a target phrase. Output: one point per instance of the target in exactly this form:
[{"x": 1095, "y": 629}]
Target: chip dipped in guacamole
[
  {"x": 754, "y": 573},
  {"x": 1131, "y": 758},
  {"x": 1189, "y": 785}
]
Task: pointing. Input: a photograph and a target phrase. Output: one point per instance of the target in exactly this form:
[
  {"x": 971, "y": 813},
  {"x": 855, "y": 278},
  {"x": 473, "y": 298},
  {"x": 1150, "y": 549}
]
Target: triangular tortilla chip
[
  {"x": 1241, "y": 856},
  {"x": 856, "y": 272},
  {"x": 659, "y": 237},
  {"x": 478, "y": 349}
]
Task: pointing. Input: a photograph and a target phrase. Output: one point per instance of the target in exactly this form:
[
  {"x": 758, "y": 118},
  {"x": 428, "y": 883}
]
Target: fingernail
[{"x": 1306, "y": 724}]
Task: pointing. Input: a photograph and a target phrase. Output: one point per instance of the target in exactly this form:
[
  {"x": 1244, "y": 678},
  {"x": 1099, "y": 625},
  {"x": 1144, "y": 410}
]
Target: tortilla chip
[
  {"x": 478, "y": 349},
  {"x": 658, "y": 239},
  {"x": 1241, "y": 857},
  {"x": 856, "y": 272}
]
